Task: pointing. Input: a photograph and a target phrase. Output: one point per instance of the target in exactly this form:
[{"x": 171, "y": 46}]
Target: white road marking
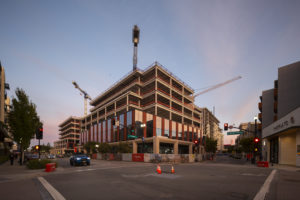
[
  {"x": 248, "y": 174},
  {"x": 265, "y": 188},
  {"x": 52, "y": 191}
]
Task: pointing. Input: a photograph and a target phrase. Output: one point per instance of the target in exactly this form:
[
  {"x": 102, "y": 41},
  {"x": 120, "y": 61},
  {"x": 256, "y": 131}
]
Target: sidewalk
[
  {"x": 16, "y": 172},
  {"x": 284, "y": 167}
]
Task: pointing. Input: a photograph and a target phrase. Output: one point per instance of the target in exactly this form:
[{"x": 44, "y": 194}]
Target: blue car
[{"x": 80, "y": 159}]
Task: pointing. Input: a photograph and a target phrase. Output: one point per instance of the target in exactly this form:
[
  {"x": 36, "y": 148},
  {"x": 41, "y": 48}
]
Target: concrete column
[
  {"x": 134, "y": 146},
  {"x": 176, "y": 147},
  {"x": 190, "y": 148},
  {"x": 155, "y": 145}
]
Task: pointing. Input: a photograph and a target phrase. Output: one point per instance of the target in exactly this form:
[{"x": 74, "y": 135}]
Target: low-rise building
[{"x": 280, "y": 117}]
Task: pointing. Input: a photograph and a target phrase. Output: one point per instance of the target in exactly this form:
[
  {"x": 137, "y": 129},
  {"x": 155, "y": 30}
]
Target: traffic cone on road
[
  {"x": 158, "y": 169},
  {"x": 172, "y": 170}
]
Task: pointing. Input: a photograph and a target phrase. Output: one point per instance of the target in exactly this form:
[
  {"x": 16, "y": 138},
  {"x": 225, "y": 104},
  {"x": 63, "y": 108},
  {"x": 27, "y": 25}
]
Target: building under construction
[
  {"x": 153, "y": 105},
  {"x": 151, "y": 109}
]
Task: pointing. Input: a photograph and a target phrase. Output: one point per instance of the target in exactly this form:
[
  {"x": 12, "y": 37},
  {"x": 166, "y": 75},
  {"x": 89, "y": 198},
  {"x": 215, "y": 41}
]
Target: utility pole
[{"x": 135, "y": 40}]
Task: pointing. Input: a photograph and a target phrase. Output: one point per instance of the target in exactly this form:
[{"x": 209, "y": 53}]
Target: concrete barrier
[
  {"x": 191, "y": 158},
  {"x": 99, "y": 156},
  {"x": 126, "y": 157},
  {"x": 147, "y": 157}
]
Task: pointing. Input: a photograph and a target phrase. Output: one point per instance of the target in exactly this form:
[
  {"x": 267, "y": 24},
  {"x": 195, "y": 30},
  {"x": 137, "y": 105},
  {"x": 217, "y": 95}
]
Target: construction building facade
[
  {"x": 155, "y": 107},
  {"x": 151, "y": 104},
  {"x": 69, "y": 136}
]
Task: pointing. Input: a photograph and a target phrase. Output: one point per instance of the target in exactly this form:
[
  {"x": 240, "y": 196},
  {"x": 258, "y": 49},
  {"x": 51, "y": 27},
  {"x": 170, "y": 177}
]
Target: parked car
[
  {"x": 80, "y": 159},
  {"x": 51, "y": 156},
  {"x": 59, "y": 156}
]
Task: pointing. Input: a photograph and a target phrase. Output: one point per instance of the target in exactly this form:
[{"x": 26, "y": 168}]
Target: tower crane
[
  {"x": 85, "y": 96},
  {"x": 217, "y": 86}
]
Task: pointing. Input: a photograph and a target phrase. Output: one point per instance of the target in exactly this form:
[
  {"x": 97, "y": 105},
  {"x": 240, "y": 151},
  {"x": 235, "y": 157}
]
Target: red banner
[{"x": 138, "y": 157}]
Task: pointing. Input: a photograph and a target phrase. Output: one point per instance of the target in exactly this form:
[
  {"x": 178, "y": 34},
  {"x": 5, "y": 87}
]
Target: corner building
[
  {"x": 280, "y": 117},
  {"x": 153, "y": 97}
]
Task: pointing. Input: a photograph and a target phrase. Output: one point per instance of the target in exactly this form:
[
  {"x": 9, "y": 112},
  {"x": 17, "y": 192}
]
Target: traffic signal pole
[{"x": 39, "y": 148}]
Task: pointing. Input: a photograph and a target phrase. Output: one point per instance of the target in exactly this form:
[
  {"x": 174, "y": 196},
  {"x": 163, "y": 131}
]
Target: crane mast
[{"x": 85, "y": 96}]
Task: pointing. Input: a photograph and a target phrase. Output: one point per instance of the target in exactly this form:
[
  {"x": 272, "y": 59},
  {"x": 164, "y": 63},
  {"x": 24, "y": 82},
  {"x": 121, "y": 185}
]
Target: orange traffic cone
[
  {"x": 158, "y": 169},
  {"x": 172, "y": 170}
]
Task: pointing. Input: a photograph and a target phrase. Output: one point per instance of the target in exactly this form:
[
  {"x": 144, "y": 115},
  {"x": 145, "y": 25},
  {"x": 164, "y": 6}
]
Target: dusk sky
[{"x": 44, "y": 45}]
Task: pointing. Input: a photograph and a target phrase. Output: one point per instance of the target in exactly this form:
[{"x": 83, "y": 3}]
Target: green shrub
[
  {"x": 38, "y": 164},
  {"x": 3, "y": 159}
]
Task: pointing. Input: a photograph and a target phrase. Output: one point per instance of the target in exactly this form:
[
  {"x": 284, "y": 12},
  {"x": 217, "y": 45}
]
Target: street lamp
[{"x": 97, "y": 146}]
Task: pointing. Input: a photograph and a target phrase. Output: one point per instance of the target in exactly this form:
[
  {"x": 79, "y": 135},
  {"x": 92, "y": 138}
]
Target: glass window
[
  {"x": 190, "y": 134},
  {"x": 149, "y": 125},
  {"x": 138, "y": 122},
  {"x": 99, "y": 132},
  {"x": 104, "y": 131},
  {"x": 167, "y": 124},
  {"x": 121, "y": 118},
  {"x": 129, "y": 118},
  {"x": 173, "y": 130},
  {"x": 158, "y": 126},
  {"x": 179, "y": 131},
  {"x": 115, "y": 132},
  {"x": 129, "y": 123},
  {"x": 185, "y": 132},
  {"x": 109, "y": 130}
]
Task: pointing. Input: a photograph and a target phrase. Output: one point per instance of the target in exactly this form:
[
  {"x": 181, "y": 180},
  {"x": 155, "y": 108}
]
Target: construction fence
[{"x": 147, "y": 157}]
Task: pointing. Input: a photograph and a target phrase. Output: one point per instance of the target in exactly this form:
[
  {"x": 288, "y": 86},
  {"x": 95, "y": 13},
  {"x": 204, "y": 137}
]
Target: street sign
[
  {"x": 235, "y": 133},
  {"x": 132, "y": 137}
]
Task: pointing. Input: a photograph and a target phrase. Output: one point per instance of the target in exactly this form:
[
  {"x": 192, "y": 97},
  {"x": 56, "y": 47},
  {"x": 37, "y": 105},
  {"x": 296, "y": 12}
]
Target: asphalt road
[{"x": 225, "y": 178}]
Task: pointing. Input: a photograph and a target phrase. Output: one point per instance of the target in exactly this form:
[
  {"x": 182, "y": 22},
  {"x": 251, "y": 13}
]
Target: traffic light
[
  {"x": 196, "y": 142},
  {"x": 37, "y": 147},
  {"x": 39, "y": 133},
  {"x": 225, "y": 126},
  {"x": 256, "y": 140}
]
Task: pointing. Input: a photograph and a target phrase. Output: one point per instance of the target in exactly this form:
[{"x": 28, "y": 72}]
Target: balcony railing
[
  {"x": 147, "y": 104},
  {"x": 177, "y": 110},
  {"x": 163, "y": 104}
]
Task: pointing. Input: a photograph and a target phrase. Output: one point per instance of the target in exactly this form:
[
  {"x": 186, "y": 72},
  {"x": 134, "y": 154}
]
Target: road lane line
[
  {"x": 265, "y": 188},
  {"x": 53, "y": 192}
]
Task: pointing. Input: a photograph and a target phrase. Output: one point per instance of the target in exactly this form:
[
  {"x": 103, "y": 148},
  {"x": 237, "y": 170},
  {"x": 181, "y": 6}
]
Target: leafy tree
[
  {"x": 23, "y": 119},
  {"x": 211, "y": 145},
  {"x": 247, "y": 144},
  {"x": 90, "y": 147},
  {"x": 104, "y": 148},
  {"x": 124, "y": 148}
]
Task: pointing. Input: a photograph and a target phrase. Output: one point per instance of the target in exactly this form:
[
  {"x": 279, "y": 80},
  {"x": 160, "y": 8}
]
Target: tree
[
  {"x": 23, "y": 120},
  {"x": 247, "y": 144},
  {"x": 124, "y": 148},
  {"x": 211, "y": 145},
  {"x": 104, "y": 148},
  {"x": 90, "y": 147}
]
